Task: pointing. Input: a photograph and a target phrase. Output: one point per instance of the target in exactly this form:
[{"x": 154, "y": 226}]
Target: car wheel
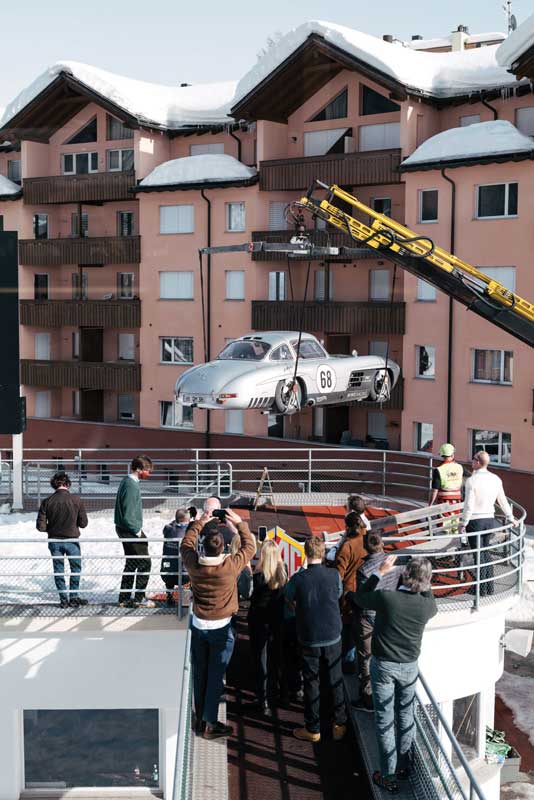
[
  {"x": 288, "y": 397},
  {"x": 381, "y": 389}
]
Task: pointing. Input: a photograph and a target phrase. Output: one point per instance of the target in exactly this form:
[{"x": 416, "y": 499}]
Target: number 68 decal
[{"x": 325, "y": 378}]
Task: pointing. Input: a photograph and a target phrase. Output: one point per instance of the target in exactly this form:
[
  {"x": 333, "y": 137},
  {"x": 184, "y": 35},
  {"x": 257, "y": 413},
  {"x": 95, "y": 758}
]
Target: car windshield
[
  {"x": 241, "y": 350},
  {"x": 309, "y": 349}
]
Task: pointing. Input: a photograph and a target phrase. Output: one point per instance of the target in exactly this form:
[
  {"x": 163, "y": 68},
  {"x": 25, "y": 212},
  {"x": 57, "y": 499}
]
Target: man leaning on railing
[{"x": 61, "y": 516}]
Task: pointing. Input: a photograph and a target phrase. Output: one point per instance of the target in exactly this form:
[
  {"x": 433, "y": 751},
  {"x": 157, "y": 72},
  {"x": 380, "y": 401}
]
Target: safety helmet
[{"x": 446, "y": 450}]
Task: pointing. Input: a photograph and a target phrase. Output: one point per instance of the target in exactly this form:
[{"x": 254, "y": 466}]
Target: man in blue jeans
[
  {"x": 61, "y": 516},
  {"x": 401, "y": 617}
]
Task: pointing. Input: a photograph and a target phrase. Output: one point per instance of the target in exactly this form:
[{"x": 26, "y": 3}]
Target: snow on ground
[
  {"x": 516, "y": 44},
  {"x": 518, "y": 790},
  {"x": 495, "y": 138},
  {"x": 209, "y": 168},
  {"x": 7, "y": 187},
  {"x": 517, "y": 692}
]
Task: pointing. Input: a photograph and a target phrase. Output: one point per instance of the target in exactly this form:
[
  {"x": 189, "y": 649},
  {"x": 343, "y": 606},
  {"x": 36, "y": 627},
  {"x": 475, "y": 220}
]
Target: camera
[
  {"x": 220, "y": 514},
  {"x": 262, "y": 533},
  {"x": 192, "y": 512}
]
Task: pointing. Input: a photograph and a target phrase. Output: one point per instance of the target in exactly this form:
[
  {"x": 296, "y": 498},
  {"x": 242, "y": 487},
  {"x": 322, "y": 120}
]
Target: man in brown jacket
[
  {"x": 213, "y": 578},
  {"x": 349, "y": 558}
]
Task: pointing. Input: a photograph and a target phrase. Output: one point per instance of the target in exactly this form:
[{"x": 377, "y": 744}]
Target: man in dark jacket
[
  {"x": 173, "y": 533},
  {"x": 316, "y": 592},
  {"x": 400, "y": 621},
  {"x": 61, "y": 516},
  {"x": 129, "y": 524}
]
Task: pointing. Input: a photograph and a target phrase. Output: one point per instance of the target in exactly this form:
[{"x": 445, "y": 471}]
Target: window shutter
[
  {"x": 202, "y": 149},
  {"x": 383, "y": 136},
  {"x": 277, "y": 220},
  {"x": 235, "y": 284},
  {"x": 318, "y": 143}
]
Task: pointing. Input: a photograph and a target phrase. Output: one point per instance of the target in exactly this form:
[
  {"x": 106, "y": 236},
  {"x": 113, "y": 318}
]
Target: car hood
[{"x": 212, "y": 377}]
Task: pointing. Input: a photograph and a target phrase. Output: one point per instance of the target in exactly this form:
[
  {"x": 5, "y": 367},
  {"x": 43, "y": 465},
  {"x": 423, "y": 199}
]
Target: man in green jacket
[{"x": 129, "y": 525}]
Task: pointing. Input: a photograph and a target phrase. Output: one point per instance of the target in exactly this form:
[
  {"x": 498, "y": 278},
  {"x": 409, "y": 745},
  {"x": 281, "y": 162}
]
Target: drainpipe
[
  {"x": 451, "y": 308},
  {"x": 208, "y": 306},
  {"x": 491, "y": 108},
  {"x": 238, "y": 140}
]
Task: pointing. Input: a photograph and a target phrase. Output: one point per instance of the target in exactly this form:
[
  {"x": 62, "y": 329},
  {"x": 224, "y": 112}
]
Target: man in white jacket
[{"x": 482, "y": 490}]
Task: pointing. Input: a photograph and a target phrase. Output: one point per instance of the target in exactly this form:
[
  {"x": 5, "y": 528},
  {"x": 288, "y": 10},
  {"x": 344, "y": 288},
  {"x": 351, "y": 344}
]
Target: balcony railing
[
  {"x": 84, "y": 251},
  {"x": 320, "y": 238},
  {"x": 82, "y": 375},
  {"x": 81, "y": 313},
  {"x": 344, "y": 169},
  {"x": 96, "y": 187},
  {"x": 330, "y": 316}
]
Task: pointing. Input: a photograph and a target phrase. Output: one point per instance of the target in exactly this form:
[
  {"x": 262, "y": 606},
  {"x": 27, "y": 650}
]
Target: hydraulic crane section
[{"x": 419, "y": 255}]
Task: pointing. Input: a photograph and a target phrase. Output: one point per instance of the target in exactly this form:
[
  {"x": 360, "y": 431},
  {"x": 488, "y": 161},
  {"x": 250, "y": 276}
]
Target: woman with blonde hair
[{"x": 265, "y": 621}]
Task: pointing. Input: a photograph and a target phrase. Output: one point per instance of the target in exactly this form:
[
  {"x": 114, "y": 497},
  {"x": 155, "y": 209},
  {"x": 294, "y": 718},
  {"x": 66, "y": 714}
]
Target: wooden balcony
[
  {"x": 370, "y": 168},
  {"x": 81, "y": 313},
  {"x": 85, "y": 251},
  {"x": 94, "y": 188},
  {"x": 115, "y": 377},
  {"x": 321, "y": 238},
  {"x": 330, "y": 317}
]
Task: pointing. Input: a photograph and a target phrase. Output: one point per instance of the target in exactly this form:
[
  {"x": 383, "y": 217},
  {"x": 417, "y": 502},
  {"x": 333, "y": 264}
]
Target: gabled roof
[
  {"x": 517, "y": 52},
  {"x": 195, "y": 172},
  {"x": 8, "y": 189},
  {"x": 66, "y": 87},
  {"x": 481, "y": 143}
]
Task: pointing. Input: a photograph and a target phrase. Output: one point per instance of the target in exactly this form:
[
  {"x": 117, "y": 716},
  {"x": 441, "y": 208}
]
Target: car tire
[
  {"x": 381, "y": 388},
  {"x": 288, "y": 397}
]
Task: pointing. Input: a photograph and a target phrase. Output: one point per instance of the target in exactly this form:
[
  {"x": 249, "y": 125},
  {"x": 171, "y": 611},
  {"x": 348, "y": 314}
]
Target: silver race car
[{"x": 258, "y": 371}]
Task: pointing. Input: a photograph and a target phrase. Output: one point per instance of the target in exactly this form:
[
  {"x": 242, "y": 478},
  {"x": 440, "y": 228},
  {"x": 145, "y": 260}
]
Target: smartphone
[
  {"x": 220, "y": 514},
  {"x": 192, "y": 512},
  {"x": 262, "y": 533}
]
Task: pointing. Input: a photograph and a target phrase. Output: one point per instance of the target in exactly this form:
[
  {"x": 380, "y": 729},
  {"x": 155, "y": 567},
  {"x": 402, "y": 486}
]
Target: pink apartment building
[{"x": 109, "y": 232}]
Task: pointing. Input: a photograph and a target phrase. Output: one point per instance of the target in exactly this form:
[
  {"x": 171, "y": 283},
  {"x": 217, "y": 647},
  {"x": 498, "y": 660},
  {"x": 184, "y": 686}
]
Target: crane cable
[
  {"x": 292, "y": 386},
  {"x": 203, "y": 306}
]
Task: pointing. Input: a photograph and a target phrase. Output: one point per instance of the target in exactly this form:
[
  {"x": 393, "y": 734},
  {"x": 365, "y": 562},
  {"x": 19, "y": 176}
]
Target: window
[
  {"x": 125, "y": 285},
  {"x": 277, "y": 215},
  {"x": 496, "y": 444},
  {"x": 125, "y": 223},
  {"x": 380, "y": 137},
  {"x": 469, "y": 119},
  {"x": 524, "y": 120},
  {"x": 126, "y": 347},
  {"x": 120, "y": 160},
  {"x": 378, "y": 348},
  {"x": 425, "y": 364},
  {"x": 86, "y": 134},
  {"x": 233, "y": 421},
  {"x": 235, "y": 284},
  {"x": 377, "y": 426},
  {"x": 379, "y": 284},
  {"x": 320, "y": 143},
  {"x": 317, "y": 422},
  {"x": 282, "y": 353},
  {"x": 235, "y": 217},
  {"x": 382, "y": 205},
  {"x": 275, "y": 424},
  {"x": 493, "y": 366},
  {"x": 76, "y": 403},
  {"x": 40, "y": 226},
  {"x": 126, "y": 407},
  {"x": 247, "y": 350},
  {"x": 424, "y": 436},
  {"x": 14, "y": 171},
  {"x": 174, "y": 415},
  {"x": 177, "y": 219},
  {"x": 428, "y": 205},
  {"x": 77, "y": 292},
  {"x": 124, "y": 747},
  {"x": 176, "y": 285},
  {"x": 79, "y": 163},
  {"x": 277, "y": 285},
  {"x": 42, "y": 346},
  {"x": 1, "y": 223},
  {"x": 465, "y": 716},
  {"x": 320, "y": 285},
  {"x": 40, "y": 286},
  {"x": 75, "y": 344},
  {"x": 309, "y": 348},
  {"x": 74, "y": 229},
  {"x": 43, "y": 404},
  {"x": 426, "y": 293},
  {"x": 497, "y": 200},
  {"x": 375, "y": 103},
  {"x": 504, "y": 275},
  {"x": 176, "y": 350},
  {"x": 336, "y": 108},
  {"x": 213, "y": 148},
  {"x": 117, "y": 130}
]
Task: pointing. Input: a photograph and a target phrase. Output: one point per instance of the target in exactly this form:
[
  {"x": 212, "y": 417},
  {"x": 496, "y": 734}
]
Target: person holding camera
[
  {"x": 213, "y": 577},
  {"x": 173, "y": 533}
]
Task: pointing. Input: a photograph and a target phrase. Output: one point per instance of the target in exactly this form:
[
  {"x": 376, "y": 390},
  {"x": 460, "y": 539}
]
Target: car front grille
[
  {"x": 260, "y": 402},
  {"x": 355, "y": 380}
]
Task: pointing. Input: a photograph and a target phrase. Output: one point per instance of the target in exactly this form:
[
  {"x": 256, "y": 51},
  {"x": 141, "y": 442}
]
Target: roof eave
[
  {"x": 180, "y": 187},
  {"x": 454, "y": 163},
  {"x": 15, "y": 196}
]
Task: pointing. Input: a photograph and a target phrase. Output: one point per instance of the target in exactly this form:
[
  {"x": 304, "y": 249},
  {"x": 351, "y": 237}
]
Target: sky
[{"x": 174, "y": 42}]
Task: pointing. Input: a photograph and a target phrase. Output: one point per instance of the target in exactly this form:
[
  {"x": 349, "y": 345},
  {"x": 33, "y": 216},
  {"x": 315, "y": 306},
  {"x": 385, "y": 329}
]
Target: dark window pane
[
  {"x": 40, "y": 226},
  {"x": 429, "y": 205},
  {"x": 68, "y": 162},
  {"x": 512, "y": 198},
  {"x": 117, "y": 130},
  {"x": 336, "y": 109},
  {"x": 127, "y": 160},
  {"x": 94, "y": 162},
  {"x": 40, "y": 286},
  {"x": 1, "y": 223},
  {"x": 82, "y": 163},
  {"x": 382, "y": 205},
  {"x": 13, "y": 171},
  {"x": 375, "y": 103},
  {"x": 87, "y": 134},
  {"x": 491, "y": 200}
]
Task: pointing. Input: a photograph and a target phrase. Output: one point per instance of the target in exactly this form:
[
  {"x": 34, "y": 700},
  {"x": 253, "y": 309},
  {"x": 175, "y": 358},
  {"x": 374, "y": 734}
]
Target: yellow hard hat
[{"x": 446, "y": 450}]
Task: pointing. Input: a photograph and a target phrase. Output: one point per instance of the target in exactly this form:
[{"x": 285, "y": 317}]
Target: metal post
[
  {"x": 309, "y": 471},
  {"x": 18, "y": 451},
  {"x": 180, "y": 588},
  {"x": 196, "y": 472},
  {"x": 477, "y": 565},
  {"x": 39, "y": 483},
  {"x": 79, "y": 471},
  {"x": 218, "y": 479},
  {"x": 383, "y": 473}
]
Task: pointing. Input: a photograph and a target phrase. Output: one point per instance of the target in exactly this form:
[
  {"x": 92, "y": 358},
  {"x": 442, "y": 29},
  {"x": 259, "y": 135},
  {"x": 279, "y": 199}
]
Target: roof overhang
[
  {"x": 181, "y": 187},
  {"x": 523, "y": 67},
  {"x": 453, "y": 163},
  {"x": 15, "y": 196},
  {"x": 310, "y": 67}
]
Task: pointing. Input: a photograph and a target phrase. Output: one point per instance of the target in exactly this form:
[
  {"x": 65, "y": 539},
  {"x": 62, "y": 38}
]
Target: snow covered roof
[
  {"x": 445, "y": 41},
  {"x": 517, "y": 43},
  {"x": 490, "y": 141},
  {"x": 438, "y": 75},
  {"x": 198, "y": 171},
  {"x": 165, "y": 106},
  {"x": 8, "y": 188}
]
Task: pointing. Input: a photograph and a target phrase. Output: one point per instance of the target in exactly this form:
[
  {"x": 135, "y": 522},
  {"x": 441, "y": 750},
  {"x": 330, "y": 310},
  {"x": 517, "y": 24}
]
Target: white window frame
[
  {"x": 120, "y": 289},
  {"x": 162, "y": 339},
  {"x": 74, "y": 157},
  {"x": 43, "y": 341},
  {"x": 177, "y": 415},
  {"x": 228, "y": 215},
  {"x": 417, "y": 429},
  {"x": 188, "y": 224},
  {"x": 388, "y": 295},
  {"x": 47, "y": 396},
  {"x": 421, "y": 284},
  {"x": 178, "y": 272},
  {"x": 128, "y": 416},
  {"x": 390, "y": 138},
  {"x": 320, "y": 292},
  {"x": 129, "y": 347},
  {"x": 506, "y": 185},
  {"x": 121, "y": 151},
  {"x": 234, "y": 421},
  {"x": 227, "y": 275},
  {"x": 279, "y": 288},
  {"x": 418, "y": 374},
  {"x": 501, "y": 381},
  {"x": 500, "y": 434},
  {"x": 420, "y": 219}
]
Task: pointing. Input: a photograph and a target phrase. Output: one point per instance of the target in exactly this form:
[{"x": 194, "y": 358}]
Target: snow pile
[
  {"x": 435, "y": 74},
  {"x": 516, "y": 44},
  {"x": 496, "y": 138},
  {"x": 208, "y": 168},
  {"x": 169, "y": 106},
  {"x": 518, "y": 790},
  {"x": 7, "y": 187},
  {"x": 516, "y": 691},
  {"x": 427, "y": 44}
]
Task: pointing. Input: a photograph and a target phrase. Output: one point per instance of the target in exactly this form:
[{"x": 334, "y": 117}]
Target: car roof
[{"x": 275, "y": 337}]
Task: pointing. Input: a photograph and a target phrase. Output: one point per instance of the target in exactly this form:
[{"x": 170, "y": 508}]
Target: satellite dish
[{"x": 513, "y": 23}]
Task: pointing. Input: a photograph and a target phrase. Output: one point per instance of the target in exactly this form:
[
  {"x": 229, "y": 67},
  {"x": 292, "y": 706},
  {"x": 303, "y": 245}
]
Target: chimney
[
  {"x": 416, "y": 37},
  {"x": 459, "y": 37},
  {"x": 387, "y": 37}
]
